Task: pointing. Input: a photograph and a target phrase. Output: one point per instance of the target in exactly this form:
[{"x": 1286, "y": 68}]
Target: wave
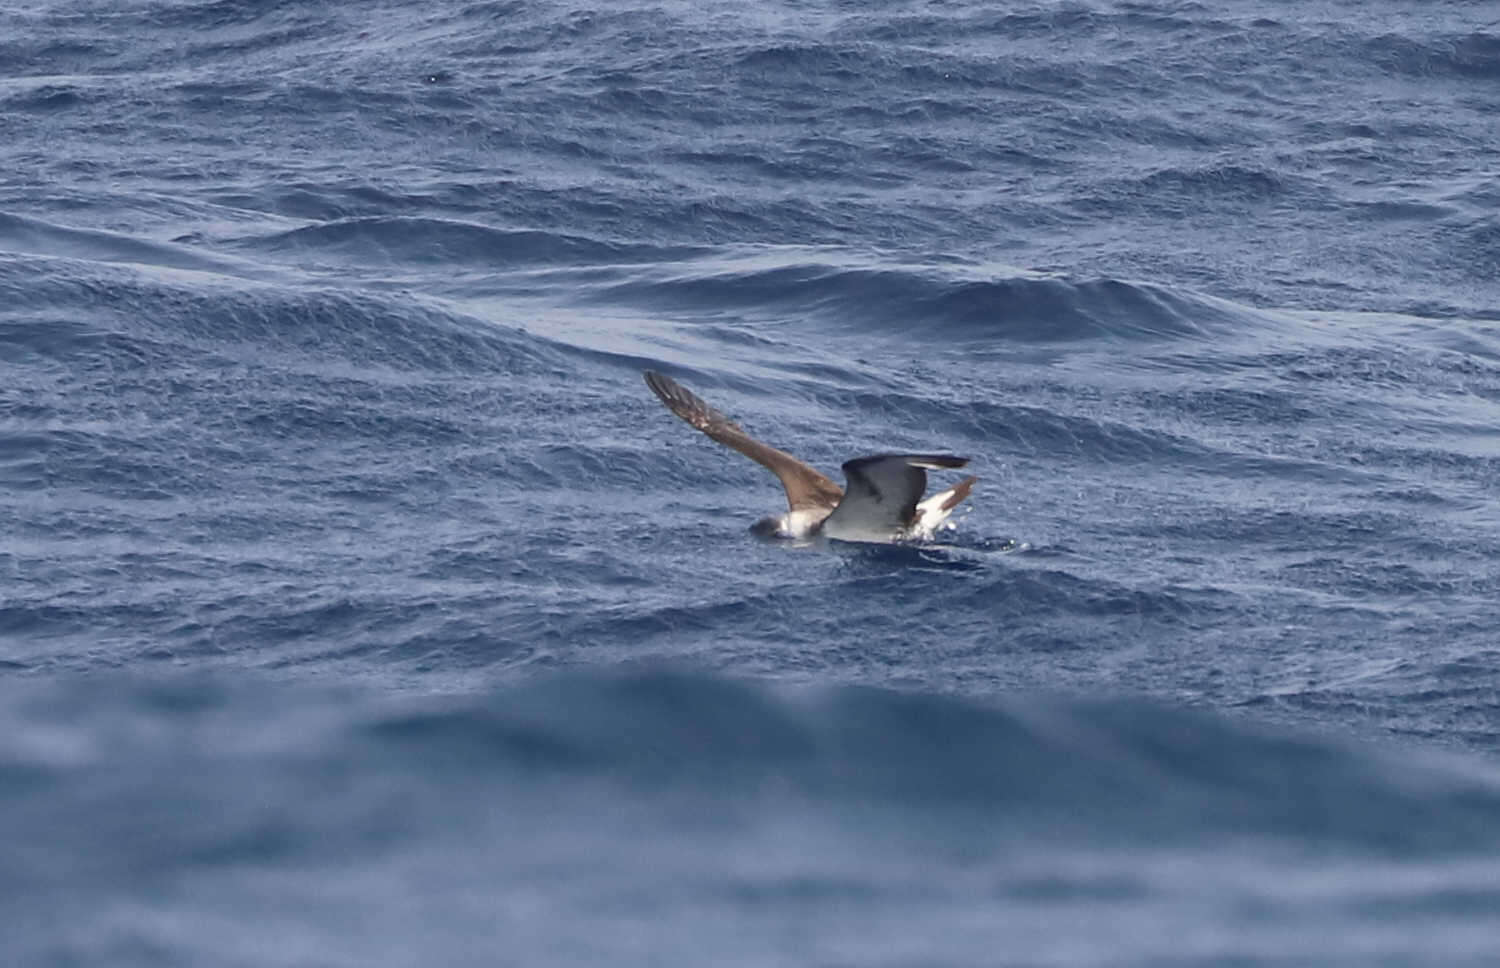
[
  {"x": 968, "y": 305},
  {"x": 1471, "y": 56},
  {"x": 31, "y": 236},
  {"x": 1121, "y": 765},
  {"x": 144, "y": 321},
  {"x": 1182, "y": 192},
  {"x": 1112, "y": 769},
  {"x": 401, "y": 240},
  {"x": 1008, "y": 305},
  {"x": 963, "y": 302}
]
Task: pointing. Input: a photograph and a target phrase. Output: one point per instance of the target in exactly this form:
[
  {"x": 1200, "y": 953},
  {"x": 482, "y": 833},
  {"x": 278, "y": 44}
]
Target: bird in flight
[{"x": 884, "y": 500}]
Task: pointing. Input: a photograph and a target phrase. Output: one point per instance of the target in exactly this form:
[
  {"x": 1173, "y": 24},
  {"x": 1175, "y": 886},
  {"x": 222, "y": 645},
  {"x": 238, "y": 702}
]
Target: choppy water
[{"x": 360, "y": 606}]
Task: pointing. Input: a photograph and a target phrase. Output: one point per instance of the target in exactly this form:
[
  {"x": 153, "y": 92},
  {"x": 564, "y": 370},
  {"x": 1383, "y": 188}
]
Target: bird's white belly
[{"x": 802, "y": 523}]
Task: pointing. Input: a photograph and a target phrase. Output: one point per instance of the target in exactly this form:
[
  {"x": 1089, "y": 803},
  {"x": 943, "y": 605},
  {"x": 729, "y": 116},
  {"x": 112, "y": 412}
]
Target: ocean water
[{"x": 360, "y": 606}]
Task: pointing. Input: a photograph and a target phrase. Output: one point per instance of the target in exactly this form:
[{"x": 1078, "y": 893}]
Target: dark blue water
[{"x": 359, "y": 605}]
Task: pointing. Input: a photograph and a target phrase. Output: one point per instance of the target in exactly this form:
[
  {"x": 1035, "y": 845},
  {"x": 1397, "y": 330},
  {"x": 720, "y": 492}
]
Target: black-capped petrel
[{"x": 884, "y": 501}]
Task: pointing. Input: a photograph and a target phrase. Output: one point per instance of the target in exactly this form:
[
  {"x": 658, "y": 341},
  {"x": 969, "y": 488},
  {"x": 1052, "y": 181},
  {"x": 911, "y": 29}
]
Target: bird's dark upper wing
[
  {"x": 883, "y": 493},
  {"x": 806, "y": 487}
]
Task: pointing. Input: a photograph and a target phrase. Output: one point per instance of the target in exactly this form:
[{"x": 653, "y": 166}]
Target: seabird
[{"x": 884, "y": 500}]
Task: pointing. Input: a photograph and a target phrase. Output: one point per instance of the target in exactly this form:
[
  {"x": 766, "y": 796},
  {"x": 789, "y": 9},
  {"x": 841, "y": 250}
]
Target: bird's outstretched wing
[
  {"x": 805, "y": 486},
  {"x": 883, "y": 494}
]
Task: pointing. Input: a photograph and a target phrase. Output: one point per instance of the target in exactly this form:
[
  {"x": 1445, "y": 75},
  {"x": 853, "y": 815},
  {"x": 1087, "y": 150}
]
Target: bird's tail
[{"x": 932, "y": 512}]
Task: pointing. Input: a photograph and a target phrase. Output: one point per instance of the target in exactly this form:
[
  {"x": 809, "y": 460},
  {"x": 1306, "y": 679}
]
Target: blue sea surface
[{"x": 360, "y": 606}]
